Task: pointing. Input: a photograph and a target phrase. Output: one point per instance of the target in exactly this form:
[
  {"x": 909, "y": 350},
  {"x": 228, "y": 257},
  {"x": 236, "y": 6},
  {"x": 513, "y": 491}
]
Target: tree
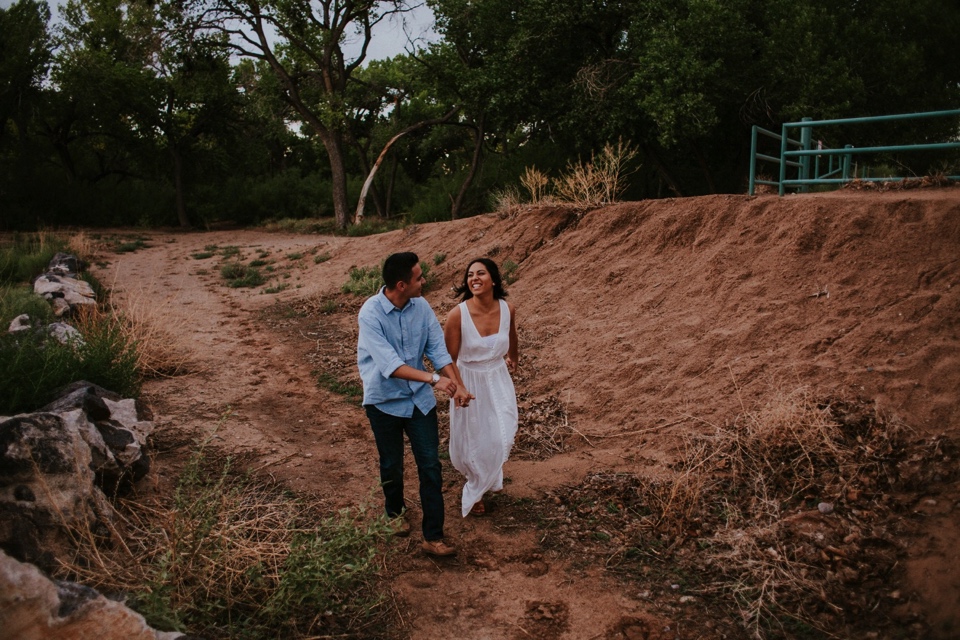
[
  {"x": 143, "y": 83},
  {"x": 305, "y": 43},
  {"x": 25, "y": 52}
]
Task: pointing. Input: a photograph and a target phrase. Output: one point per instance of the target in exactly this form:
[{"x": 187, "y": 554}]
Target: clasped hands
[{"x": 461, "y": 397}]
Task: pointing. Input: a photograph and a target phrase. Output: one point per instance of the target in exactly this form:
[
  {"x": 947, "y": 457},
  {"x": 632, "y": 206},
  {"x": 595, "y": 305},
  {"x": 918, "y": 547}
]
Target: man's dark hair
[{"x": 399, "y": 268}]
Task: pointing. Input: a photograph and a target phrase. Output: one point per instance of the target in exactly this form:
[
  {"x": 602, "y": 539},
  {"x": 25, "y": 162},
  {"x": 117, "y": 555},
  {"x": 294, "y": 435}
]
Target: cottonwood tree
[{"x": 315, "y": 47}]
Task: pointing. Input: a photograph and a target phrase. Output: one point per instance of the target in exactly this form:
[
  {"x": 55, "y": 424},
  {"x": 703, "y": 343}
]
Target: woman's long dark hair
[{"x": 463, "y": 291}]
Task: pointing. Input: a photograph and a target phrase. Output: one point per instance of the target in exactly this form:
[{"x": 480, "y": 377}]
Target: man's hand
[
  {"x": 446, "y": 385},
  {"x": 462, "y": 397}
]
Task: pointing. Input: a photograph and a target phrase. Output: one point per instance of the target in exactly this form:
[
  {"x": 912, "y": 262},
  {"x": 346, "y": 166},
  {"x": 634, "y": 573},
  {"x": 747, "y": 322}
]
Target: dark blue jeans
[{"x": 421, "y": 430}]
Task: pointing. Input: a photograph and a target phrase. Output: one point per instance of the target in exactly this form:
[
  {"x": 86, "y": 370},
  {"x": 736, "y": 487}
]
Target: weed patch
[
  {"x": 239, "y": 275},
  {"x": 364, "y": 281},
  {"x": 230, "y": 556},
  {"x": 785, "y": 519}
]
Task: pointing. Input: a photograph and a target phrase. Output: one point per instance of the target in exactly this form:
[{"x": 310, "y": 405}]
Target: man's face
[{"x": 414, "y": 288}]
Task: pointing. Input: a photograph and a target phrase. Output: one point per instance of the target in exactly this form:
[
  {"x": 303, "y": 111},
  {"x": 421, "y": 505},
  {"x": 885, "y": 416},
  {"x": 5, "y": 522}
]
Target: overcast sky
[{"x": 392, "y": 36}]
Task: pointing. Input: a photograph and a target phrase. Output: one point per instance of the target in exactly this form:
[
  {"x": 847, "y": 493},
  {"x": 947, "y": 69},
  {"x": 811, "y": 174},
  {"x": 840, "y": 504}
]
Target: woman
[{"x": 480, "y": 332}]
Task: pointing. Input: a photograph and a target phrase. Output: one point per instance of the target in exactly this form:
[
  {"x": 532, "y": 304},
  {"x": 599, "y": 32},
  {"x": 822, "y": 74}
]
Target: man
[{"x": 397, "y": 329}]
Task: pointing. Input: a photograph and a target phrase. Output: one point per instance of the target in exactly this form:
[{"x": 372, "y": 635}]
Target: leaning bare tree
[{"x": 304, "y": 43}]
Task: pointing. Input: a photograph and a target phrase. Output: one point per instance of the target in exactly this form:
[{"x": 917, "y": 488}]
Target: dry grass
[
  {"x": 599, "y": 181},
  {"x": 536, "y": 183},
  {"x": 507, "y": 201},
  {"x": 543, "y": 430},
  {"x": 148, "y": 323},
  {"x": 785, "y": 519},
  {"x": 230, "y": 556}
]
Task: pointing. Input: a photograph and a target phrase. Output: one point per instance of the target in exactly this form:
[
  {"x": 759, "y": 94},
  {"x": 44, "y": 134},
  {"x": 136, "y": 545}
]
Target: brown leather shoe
[
  {"x": 400, "y": 526},
  {"x": 438, "y": 548}
]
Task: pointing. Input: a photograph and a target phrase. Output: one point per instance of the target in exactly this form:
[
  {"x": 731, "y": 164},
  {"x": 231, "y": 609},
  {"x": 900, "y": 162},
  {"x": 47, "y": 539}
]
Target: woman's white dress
[{"x": 482, "y": 434}]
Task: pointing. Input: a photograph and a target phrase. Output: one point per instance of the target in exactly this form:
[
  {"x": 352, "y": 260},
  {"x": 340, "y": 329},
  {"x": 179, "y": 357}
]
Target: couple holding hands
[{"x": 473, "y": 356}]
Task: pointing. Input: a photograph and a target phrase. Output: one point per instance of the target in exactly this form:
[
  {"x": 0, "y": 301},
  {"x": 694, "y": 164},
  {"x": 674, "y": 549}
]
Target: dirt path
[
  {"x": 639, "y": 325},
  {"x": 255, "y": 393}
]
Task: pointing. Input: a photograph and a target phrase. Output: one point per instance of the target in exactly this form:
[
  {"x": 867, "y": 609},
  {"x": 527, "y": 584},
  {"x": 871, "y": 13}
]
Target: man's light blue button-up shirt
[{"x": 391, "y": 337}]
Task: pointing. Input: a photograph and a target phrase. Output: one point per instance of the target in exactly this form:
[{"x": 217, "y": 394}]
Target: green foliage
[
  {"x": 372, "y": 226},
  {"x": 28, "y": 256},
  {"x": 508, "y": 271},
  {"x": 429, "y": 279},
  {"x": 330, "y": 382},
  {"x": 438, "y": 258},
  {"x": 321, "y": 257},
  {"x": 239, "y": 275},
  {"x": 364, "y": 281},
  {"x": 34, "y": 365},
  {"x": 242, "y": 559},
  {"x": 19, "y": 299}
]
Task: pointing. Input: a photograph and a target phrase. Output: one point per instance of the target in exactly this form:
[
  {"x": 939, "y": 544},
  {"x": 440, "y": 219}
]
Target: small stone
[
  {"x": 825, "y": 508},
  {"x": 686, "y": 599}
]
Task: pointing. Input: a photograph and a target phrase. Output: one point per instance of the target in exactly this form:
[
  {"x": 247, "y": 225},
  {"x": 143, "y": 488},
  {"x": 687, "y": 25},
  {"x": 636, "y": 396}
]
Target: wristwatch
[{"x": 435, "y": 379}]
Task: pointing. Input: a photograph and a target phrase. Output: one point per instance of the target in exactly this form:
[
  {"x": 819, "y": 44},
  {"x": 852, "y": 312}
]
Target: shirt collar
[{"x": 385, "y": 305}]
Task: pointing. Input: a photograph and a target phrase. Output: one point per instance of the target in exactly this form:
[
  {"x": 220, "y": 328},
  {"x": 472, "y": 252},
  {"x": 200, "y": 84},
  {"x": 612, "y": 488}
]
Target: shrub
[
  {"x": 364, "y": 281},
  {"x": 536, "y": 183},
  {"x": 508, "y": 270},
  {"x": 229, "y": 556},
  {"x": 34, "y": 365},
  {"x": 19, "y": 299},
  {"x": 599, "y": 181},
  {"x": 240, "y": 275},
  {"x": 28, "y": 256}
]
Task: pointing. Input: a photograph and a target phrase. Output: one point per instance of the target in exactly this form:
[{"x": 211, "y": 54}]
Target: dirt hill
[{"x": 644, "y": 329}]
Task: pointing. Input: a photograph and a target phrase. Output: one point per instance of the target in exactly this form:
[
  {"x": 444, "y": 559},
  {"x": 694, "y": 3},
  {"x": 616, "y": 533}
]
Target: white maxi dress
[{"x": 481, "y": 435}]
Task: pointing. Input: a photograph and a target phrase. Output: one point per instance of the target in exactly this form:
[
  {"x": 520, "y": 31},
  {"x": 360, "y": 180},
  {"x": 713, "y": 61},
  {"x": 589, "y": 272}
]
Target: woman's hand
[
  {"x": 462, "y": 398},
  {"x": 511, "y": 365}
]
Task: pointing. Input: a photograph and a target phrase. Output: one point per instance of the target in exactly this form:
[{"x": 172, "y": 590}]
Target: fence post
[
  {"x": 846, "y": 163},
  {"x": 753, "y": 158},
  {"x": 806, "y": 136},
  {"x": 783, "y": 158}
]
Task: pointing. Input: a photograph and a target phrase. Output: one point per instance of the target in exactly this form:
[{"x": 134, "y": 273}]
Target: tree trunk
[
  {"x": 358, "y": 217},
  {"x": 333, "y": 143},
  {"x": 662, "y": 169},
  {"x": 456, "y": 210},
  {"x": 707, "y": 174},
  {"x": 178, "y": 187}
]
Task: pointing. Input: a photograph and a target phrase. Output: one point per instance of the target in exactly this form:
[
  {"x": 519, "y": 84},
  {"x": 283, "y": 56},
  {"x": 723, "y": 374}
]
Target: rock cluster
[
  {"x": 61, "y": 286},
  {"x": 58, "y": 464},
  {"x": 33, "y": 607}
]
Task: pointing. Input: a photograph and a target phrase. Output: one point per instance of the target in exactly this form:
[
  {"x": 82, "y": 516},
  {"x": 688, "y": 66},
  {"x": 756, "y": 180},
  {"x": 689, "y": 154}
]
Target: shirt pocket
[{"x": 414, "y": 339}]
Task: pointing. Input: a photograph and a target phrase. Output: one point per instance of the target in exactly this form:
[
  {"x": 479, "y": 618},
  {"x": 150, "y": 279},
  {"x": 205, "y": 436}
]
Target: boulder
[
  {"x": 20, "y": 323},
  {"x": 33, "y": 607},
  {"x": 57, "y": 465},
  {"x": 71, "y": 292},
  {"x": 65, "y": 334},
  {"x": 65, "y": 264}
]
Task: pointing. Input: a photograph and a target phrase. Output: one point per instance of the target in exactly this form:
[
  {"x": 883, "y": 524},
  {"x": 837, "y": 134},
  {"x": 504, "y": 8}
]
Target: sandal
[{"x": 478, "y": 509}]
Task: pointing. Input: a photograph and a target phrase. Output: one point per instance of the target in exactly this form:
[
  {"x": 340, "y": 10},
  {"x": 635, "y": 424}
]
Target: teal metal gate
[{"x": 814, "y": 164}]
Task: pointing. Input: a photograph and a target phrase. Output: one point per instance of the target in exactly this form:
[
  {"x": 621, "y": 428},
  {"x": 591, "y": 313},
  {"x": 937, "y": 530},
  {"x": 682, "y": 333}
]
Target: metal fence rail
[{"x": 805, "y": 155}]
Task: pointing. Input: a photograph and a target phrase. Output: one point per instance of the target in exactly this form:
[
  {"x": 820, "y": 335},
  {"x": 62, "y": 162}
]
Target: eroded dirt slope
[{"x": 640, "y": 324}]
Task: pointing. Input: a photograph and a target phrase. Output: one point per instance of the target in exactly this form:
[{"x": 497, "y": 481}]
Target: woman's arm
[
  {"x": 513, "y": 351},
  {"x": 451, "y": 332}
]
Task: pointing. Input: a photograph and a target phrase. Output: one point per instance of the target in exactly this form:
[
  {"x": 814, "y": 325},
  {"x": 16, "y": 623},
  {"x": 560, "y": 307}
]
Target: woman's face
[{"x": 479, "y": 280}]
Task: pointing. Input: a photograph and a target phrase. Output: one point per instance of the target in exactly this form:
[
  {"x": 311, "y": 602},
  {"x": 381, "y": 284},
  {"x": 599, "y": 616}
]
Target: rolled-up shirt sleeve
[{"x": 436, "y": 349}]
